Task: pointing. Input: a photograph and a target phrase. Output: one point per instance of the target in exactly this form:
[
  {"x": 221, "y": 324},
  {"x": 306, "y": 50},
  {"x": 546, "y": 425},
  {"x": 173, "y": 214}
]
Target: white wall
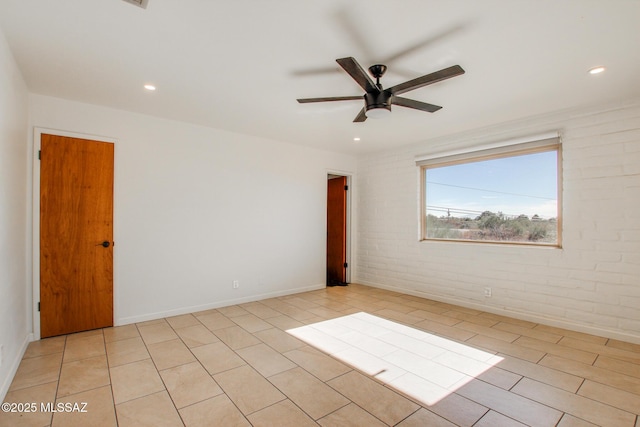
[
  {"x": 592, "y": 284},
  {"x": 196, "y": 208},
  {"x": 14, "y": 324}
]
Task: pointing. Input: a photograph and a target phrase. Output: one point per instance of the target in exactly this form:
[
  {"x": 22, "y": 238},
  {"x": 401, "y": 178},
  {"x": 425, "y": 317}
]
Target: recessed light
[
  {"x": 597, "y": 70},
  {"x": 150, "y": 87},
  {"x": 356, "y": 139}
]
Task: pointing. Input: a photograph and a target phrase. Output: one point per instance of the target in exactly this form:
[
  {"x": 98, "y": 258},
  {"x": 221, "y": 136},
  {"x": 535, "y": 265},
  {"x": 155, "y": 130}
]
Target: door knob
[{"x": 104, "y": 244}]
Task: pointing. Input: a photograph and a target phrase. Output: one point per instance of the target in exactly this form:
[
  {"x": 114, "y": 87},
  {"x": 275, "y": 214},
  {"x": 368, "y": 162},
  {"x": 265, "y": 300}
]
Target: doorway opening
[{"x": 338, "y": 201}]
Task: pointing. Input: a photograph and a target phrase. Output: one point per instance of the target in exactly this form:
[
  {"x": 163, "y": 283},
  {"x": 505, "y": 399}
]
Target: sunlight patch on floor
[{"x": 421, "y": 365}]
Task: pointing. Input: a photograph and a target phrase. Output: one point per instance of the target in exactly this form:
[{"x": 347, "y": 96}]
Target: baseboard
[
  {"x": 217, "y": 304},
  {"x": 15, "y": 364},
  {"x": 517, "y": 314}
]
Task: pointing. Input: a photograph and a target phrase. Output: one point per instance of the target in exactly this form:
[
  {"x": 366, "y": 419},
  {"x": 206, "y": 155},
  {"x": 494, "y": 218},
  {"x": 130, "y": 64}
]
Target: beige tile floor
[{"x": 237, "y": 366}]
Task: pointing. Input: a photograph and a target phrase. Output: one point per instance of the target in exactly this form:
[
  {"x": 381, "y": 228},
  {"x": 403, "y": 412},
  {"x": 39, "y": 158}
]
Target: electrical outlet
[
  {"x": 487, "y": 292},
  {"x": 236, "y": 284}
]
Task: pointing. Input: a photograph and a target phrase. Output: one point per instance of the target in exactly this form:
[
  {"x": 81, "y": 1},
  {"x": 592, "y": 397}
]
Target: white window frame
[{"x": 505, "y": 149}]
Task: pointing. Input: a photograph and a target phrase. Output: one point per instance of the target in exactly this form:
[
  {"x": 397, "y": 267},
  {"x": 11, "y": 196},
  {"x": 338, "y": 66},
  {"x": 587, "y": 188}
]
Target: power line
[
  {"x": 490, "y": 191},
  {"x": 456, "y": 210},
  {"x": 449, "y": 210}
]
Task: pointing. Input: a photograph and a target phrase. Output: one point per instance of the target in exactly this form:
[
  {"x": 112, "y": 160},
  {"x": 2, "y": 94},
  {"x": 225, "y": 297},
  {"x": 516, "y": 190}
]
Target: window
[{"x": 507, "y": 193}]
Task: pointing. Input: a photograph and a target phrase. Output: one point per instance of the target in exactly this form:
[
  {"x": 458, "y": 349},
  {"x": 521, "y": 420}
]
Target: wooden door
[
  {"x": 337, "y": 231},
  {"x": 76, "y": 235}
]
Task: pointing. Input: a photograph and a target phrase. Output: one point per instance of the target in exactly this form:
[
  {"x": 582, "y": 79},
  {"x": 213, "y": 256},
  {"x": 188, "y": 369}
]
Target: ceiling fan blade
[
  {"x": 314, "y": 71},
  {"x": 351, "y": 66},
  {"x": 419, "y": 82},
  {"x": 330, "y": 98},
  {"x": 351, "y": 26},
  {"x": 416, "y": 105},
  {"x": 421, "y": 44},
  {"x": 361, "y": 117}
]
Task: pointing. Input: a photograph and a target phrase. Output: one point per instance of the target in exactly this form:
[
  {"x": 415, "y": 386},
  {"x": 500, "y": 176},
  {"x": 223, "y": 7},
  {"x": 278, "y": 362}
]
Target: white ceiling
[{"x": 240, "y": 65}]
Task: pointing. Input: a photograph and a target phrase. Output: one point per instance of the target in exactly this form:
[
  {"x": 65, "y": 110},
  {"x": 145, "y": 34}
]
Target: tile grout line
[
  {"x": 146, "y": 346},
  {"x": 322, "y": 302},
  {"x": 203, "y": 367},
  {"x": 323, "y": 382},
  {"x": 274, "y": 385},
  {"x": 55, "y": 397},
  {"x": 113, "y": 399}
]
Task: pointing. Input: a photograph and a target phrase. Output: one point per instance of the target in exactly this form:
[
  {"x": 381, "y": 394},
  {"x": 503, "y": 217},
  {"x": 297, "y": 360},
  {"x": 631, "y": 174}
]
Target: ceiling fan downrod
[{"x": 378, "y": 71}]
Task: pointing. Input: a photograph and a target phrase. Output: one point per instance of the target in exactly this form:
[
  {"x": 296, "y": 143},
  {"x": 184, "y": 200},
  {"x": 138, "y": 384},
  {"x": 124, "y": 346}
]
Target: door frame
[
  {"x": 37, "y": 138},
  {"x": 349, "y": 177}
]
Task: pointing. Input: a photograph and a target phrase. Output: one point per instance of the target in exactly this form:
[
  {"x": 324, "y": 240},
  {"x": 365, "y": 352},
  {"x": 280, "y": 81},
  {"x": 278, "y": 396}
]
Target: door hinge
[
  {"x": 346, "y": 187},
  {"x": 39, "y": 154},
  {"x": 38, "y": 306},
  {"x": 345, "y": 265}
]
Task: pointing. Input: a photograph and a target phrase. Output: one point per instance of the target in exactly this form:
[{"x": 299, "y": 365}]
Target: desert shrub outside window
[{"x": 506, "y": 193}]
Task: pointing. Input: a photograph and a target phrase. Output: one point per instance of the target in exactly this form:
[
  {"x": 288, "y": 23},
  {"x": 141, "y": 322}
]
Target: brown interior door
[
  {"x": 76, "y": 235},
  {"x": 337, "y": 231}
]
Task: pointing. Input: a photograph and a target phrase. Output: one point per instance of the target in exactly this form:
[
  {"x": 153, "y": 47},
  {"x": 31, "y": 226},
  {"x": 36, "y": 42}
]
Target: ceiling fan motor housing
[{"x": 377, "y": 100}]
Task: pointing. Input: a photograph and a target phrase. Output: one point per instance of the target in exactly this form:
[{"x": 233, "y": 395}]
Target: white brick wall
[{"x": 592, "y": 284}]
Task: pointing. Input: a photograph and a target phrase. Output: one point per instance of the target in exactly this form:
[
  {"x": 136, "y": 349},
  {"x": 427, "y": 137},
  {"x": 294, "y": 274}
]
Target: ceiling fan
[{"x": 378, "y": 101}]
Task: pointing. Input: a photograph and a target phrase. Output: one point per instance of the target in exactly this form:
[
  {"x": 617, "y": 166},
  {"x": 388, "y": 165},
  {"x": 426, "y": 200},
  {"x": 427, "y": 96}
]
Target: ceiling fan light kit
[
  {"x": 378, "y": 101},
  {"x": 378, "y": 112}
]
